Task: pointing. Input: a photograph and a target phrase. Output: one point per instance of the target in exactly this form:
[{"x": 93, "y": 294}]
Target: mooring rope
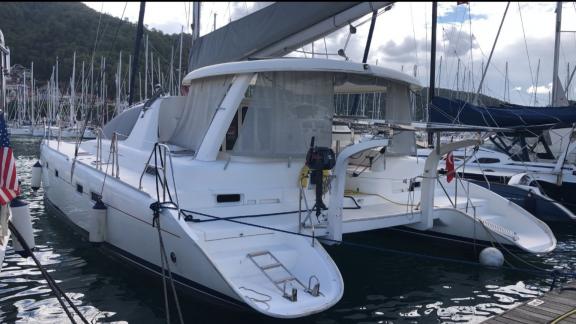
[
  {"x": 49, "y": 280},
  {"x": 547, "y": 273}
]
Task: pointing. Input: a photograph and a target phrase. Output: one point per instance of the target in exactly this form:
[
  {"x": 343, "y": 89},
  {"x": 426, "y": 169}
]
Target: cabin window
[
  {"x": 79, "y": 188},
  {"x": 380, "y": 99},
  {"x": 56, "y": 173},
  {"x": 235, "y": 125},
  {"x": 95, "y": 196},
  {"x": 151, "y": 170},
  {"x": 204, "y": 98},
  {"x": 228, "y": 198},
  {"x": 487, "y": 160},
  {"x": 123, "y": 123},
  {"x": 286, "y": 110}
]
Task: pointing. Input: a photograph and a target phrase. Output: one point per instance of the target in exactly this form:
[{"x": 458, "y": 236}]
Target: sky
[{"x": 401, "y": 41}]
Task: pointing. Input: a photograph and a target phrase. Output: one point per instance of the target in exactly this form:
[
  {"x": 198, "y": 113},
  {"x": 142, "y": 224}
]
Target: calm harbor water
[{"x": 380, "y": 287}]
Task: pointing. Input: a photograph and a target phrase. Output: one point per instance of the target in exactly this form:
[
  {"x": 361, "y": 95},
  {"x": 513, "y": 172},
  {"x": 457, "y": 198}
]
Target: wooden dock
[{"x": 557, "y": 306}]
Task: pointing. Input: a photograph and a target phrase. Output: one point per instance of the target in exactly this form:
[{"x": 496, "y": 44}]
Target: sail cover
[
  {"x": 242, "y": 38},
  {"x": 451, "y": 111}
]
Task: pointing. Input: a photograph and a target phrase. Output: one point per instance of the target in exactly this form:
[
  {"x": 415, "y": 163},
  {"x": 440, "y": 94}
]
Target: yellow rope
[
  {"x": 352, "y": 192},
  {"x": 561, "y": 317},
  {"x": 303, "y": 177}
]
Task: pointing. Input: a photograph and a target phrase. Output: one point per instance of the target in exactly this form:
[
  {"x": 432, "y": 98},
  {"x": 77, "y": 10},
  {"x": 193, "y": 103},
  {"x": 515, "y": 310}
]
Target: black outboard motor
[{"x": 319, "y": 159}]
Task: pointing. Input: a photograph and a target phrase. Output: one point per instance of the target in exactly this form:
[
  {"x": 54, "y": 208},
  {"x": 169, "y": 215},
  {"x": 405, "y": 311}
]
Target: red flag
[{"x": 449, "y": 167}]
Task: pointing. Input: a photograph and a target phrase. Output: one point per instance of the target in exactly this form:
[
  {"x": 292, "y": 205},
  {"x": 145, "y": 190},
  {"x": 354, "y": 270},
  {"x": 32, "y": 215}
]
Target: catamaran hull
[
  {"x": 129, "y": 226},
  {"x": 185, "y": 285},
  {"x": 564, "y": 194},
  {"x": 545, "y": 209},
  {"x": 206, "y": 262}
]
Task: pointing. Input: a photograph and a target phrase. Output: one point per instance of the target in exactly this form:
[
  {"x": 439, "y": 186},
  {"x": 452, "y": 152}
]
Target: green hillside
[{"x": 41, "y": 31}]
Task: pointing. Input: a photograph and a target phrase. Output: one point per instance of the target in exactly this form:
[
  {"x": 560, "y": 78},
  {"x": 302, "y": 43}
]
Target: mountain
[{"x": 40, "y": 32}]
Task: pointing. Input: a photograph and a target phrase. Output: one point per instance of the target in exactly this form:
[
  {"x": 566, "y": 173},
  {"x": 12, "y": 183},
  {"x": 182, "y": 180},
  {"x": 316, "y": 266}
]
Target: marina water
[{"x": 380, "y": 287}]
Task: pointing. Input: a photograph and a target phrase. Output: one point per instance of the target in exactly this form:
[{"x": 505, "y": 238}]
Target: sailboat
[
  {"x": 546, "y": 188},
  {"x": 231, "y": 214},
  {"x": 14, "y": 212}
]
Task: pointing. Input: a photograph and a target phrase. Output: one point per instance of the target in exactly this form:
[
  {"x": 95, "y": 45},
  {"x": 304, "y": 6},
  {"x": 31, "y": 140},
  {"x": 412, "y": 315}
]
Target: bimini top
[
  {"x": 299, "y": 64},
  {"x": 530, "y": 120}
]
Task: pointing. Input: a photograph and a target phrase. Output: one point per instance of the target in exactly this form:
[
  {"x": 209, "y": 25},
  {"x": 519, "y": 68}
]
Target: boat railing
[
  {"x": 161, "y": 153},
  {"x": 59, "y": 134},
  {"x": 114, "y": 155},
  {"x": 99, "y": 134}
]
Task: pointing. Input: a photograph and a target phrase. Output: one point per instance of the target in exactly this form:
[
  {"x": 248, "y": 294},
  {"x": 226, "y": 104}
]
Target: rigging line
[
  {"x": 381, "y": 249},
  {"x": 119, "y": 24},
  {"x": 99, "y": 40},
  {"x": 414, "y": 33},
  {"x": 49, "y": 280},
  {"x": 98, "y": 29},
  {"x": 491, "y": 52},
  {"x": 186, "y": 13},
  {"x": 526, "y": 44},
  {"x": 99, "y": 78},
  {"x": 163, "y": 257}
]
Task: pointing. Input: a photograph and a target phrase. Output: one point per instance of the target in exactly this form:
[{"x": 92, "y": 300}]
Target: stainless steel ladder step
[
  {"x": 276, "y": 264},
  {"x": 257, "y": 254},
  {"x": 284, "y": 280},
  {"x": 281, "y": 284},
  {"x": 271, "y": 266}
]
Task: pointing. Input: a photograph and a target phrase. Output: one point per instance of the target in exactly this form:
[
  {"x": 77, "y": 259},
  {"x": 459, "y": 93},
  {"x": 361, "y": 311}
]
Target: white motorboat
[
  {"x": 548, "y": 187},
  {"x": 20, "y": 131}
]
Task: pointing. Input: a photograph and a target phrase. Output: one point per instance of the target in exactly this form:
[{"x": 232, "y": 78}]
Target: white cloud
[
  {"x": 402, "y": 38},
  {"x": 544, "y": 89}
]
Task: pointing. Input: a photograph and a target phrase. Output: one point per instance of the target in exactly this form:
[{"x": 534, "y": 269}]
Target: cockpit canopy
[{"x": 284, "y": 103}]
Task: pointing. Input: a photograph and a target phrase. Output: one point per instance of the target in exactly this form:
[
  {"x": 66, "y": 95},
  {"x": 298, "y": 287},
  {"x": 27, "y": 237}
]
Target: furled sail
[
  {"x": 444, "y": 110},
  {"x": 276, "y": 30}
]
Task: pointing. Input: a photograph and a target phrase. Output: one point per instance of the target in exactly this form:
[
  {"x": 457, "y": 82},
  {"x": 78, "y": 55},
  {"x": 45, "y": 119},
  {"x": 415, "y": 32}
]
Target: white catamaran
[{"x": 216, "y": 180}]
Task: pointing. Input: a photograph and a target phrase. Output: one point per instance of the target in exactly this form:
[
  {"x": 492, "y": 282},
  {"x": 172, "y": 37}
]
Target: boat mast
[
  {"x": 73, "y": 92},
  {"x": 180, "y": 60},
  {"x": 146, "y": 71},
  {"x": 432, "y": 65},
  {"x": 485, "y": 69},
  {"x": 536, "y": 86},
  {"x": 118, "y": 83},
  {"x": 139, "y": 31},
  {"x": 32, "y": 95},
  {"x": 195, "y": 21},
  {"x": 171, "y": 82},
  {"x": 83, "y": 97},
  {"x": 556, "y": 86}
]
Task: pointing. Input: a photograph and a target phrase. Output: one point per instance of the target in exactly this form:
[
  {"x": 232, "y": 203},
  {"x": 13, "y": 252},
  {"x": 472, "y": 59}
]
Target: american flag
[{"x": 8, "y": 179}]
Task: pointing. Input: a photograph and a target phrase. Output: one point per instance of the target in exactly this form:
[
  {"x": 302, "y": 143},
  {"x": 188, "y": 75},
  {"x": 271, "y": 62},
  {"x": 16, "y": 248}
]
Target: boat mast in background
[
  {"x": 432, "y": 86},
  {"x": 4, "y": 70},
  {"x": 137, "y": 49},
  {"x": 558, "y": 95},
  {"x": 195, "y": 21}
]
